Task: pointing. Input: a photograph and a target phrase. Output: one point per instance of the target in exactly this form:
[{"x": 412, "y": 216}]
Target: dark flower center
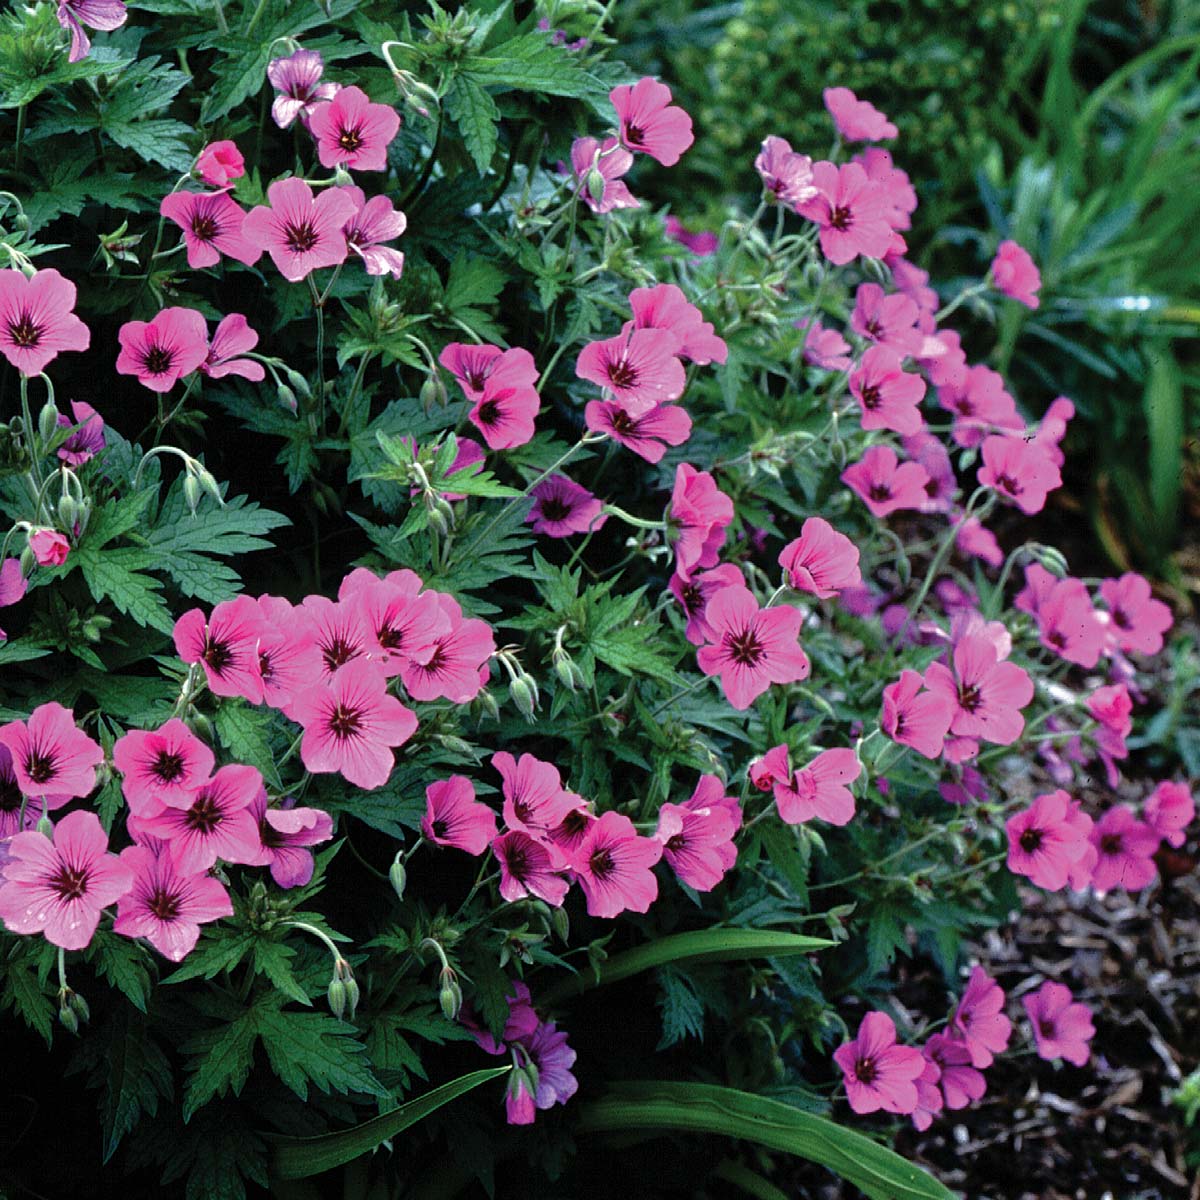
[
  {"x": 217, "y": 655},
  {"x": 745, "y": 648},
  {"x": 601, "y": 863},
  {"x": 390, "y": 637},
  {"x": 477, "y": 378},
  {"x": 901, "y": 724},
  {"x": 168, "y": 766},
  {"x": 969, "y": 697},
  {"x": 350, "y": 139},
  {"x": 25, "y": 333},
  {"x": 871, "y": 397},
  {"x": 555, "y": 509},
  {"x": 1006, "y": 483},
  {"x": 158, "y": 360},
  {"x": 204, "y": 227},
  {"x": 865, "y": 1070},
  {"x": 1057, "y": 639},
  {"x": 841, "y": 218},
  {"x": 10, "y": 794},
  {"x": 573, "y": 824},
  {"x": 692, "y": 597},
  {"x": 1111, "y": 844},
  {"x": 345, "y": 722},
  {"x": 1030, "y": 840},
  {"x": 1120, "y": 620},
  {"x": 518, "y": 861},
  {"x": 204, "y": 815},
  {"x": 622, "y": 422},
  {"x": 1046, "y": 1028},
  {"x": 873, "y": 329},
  {"x": 488, "y": 412},
  {"x": 39, "y": 766},
  {"x": 163, "y": 905},
  {"x": 300, "y": 239},
  {"x": 634, "y": 135},
  {"x": 880, "y": 491},
  {"x": 266, "y": 667},
  {"x": 270, "y": 836},
  {"x": 439, "y": 827},
  {"x": 677, "y": 843},
  {"x": 338, "y": 652},
  {"x": 70, "y": 883},
  {"x": 622, "y": 374}
]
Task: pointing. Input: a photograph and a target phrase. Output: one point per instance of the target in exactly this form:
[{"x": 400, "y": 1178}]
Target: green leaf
[
  {"x": 220, "y": 1062},
  {"x": 1163, "y": 405},
  {"x": 701, "y": 945},
  {"x": 118, "y": 575},
  {"x": 243, "y": 731},
  {"x": 25, "y": 996},
  {"x": 529, "y": 63},
  {"x": 313, "y": 1047},
  {"x": 298, "y": 1158},
  {"x": 477, "y": 117},
  {"x": 690, "y": 1107},
  {"x": 122, "y": 962}
]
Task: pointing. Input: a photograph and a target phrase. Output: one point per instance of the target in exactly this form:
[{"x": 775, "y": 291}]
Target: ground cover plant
[{"x": 497, "y": 676}]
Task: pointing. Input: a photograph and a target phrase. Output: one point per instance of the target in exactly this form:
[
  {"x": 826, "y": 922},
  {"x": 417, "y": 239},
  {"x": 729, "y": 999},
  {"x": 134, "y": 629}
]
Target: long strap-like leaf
[
  {"x": 703, "y": 1108},
  {"x": 701, "y": 945},
  {"x": 297, "y": 1158}
]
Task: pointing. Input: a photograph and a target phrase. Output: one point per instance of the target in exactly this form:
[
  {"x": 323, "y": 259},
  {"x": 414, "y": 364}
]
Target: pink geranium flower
[
  {"x": 212, "y": 226},
  {"x": 401, "y": 624},
  {"x": 666, "y": 307},
  {"x": 824, "y": 348},
  {"x": 216, "y": 823},
  {"x": 455, "y": 669},
  {"x": 902, "y": 203},
  {"x": 505, "y": 413},
  {"x": 1068, "y": 624},
  {"x": 375, "y": 222},
  {"x": 884, "y": 483},
  {"x": 51, "y": 755},
  {"x": 298, "y": 80},
  {"x": 85, "y": 441},
  {"x": 530, "y": 868},
  {"x": 162, "y": 351},
  {"x": 987, "y": 694},
  {"x": 1138, "y": 620},
  {"x": 889, "y": 396},
  {"x": 639, "y": 368},
  {"x": 980, "y": 404},
  {"x": 1061, "y": 1028},
  {"x": 977, "y": 540},
  {"x": 453, "y": 817},
  {"x": 300, "y": 233},
  {"x": 1015, "y": 274},
  {"x": 226, "y": 646},
  {"x": 751, "y": 648},
  {"x": 1111, "y": 707},
  {"x": 650, "y": 123},
  {"x": 542, "y": 1077},
  {"x": 774, "y": 768},
  {"x": 887, "y": 320},
  {"x": 694, "y": 595},
  {"x": 1044, "y": 842},
  {"x": 339, "y": 629},
  {"x": 167, "y": 905},
  {"x": 535, "y": 801},
  {"x": 700, "y": 513},
  {"x": 611, "y": 161},
  {"x": 165, "y": 766},
  {"x": 50, "y": 548},
  {"x": 473, "y": 366},
  {"x": 285, "y": 834},
  {"x": 961, "y": 1084},
  {"x": 1019, "y": 470},
  {"x": 786, "y": 175},
  {"x": 613, "y": 864},
  {"x": 353, "y": 132},
  {"x": 818, "y": 791},
  {"x": 851, "y": 212},
  {"x": 220, "y": 163},
  {"x": 58, "y": 887},
  {"x": 105, "y": 15},
  {"x": 857, "y": 120},
  {"x": 697, "y": 837},
  {"x": 289, "y": 658},
  {"x": 562, "y": 507},
  {"x": 929, "y": 1096},
  {"x": 648, "y": 435},
  {"x": 916, "y": 718},
  {"x": 351, "y": 724},
  {"x": 878, "y": 1073},
  {"x": 1169, "y": 810},
  {"x": 13, "y": 801},
  {"x": 979, "y": 1021},
  {"x": 37, "y": 321},
  {"x": 1053, "y": 428},
  {"x": 1125, "y": 850},
  {"x": 702, "y": 243},
  {"x": 232, "y": 337}
]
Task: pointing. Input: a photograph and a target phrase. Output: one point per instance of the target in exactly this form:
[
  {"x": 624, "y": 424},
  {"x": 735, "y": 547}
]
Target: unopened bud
[
  {"x": 336, "y": 995},
  {"x": 438, "y": 522},
  {"x": 299, "y": 383},
  {"x": 209, "y": 484},
  {"x": 28, "y": 562},
  {"x": 192, "y": 493},
  {"x": 595, "y": 185},
  {"x": 398, "y": 876},
  {"x": 45, "y": 826},
  {"x": 455, "y": 744},
  {"x": 560, "y": 923},
  {"x": 432, "y": 394},
  {"x": 80, "y": 1007},
  {"x": 68, "y": 511},
  {"x": 201, "y": 726},
  {"x": 523, "y": 696},
  {"x": 1051, "y": 558},
  {"x": 450, "y": 995},
  {"x": 488, "y": 703},
  {"x": 443, "y": 507},
  {"x": 562, "y": 668},
  {"x": 83, "y": 514},
  {"x": 67, "y": 1017},
  {"x": 352, "y": 996},
  {"x": 287, "y": 398},
  {"x": 48, "y": 420}
]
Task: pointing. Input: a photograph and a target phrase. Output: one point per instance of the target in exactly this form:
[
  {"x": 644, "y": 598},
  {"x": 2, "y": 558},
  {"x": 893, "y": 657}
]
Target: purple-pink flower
[
  {"x": 1125, "y": 850},
  {"x": 650, "y": 123},
  {"x": 375, "y": 222},
  {"x": 915, "y": 717},
  {"x": 87, "y": 435},
  {"x": 1045, "y": 842},
  {"x": 857, "y": 120},
  {"x": 1019, "y": 470},
  {"x": 884, "y": 483},
  {"x": 638, "y": 367},
  {"x": 51, "y": 755},
  {"x": 1015, "y": 274},
  {"x": 1062, "y": 1028},
  {"x": 37, "y": 321},
  {"x": 851, "y": 212},
  {"x": 353, "y": 132},
  {"x": 285, "y": 834},
  {"x": 819, "y": 791},
  {"x": 700, "y": 513},
  {"x": 453, "y": 817},
  {"x": 649, "y": 435},
  {"x": 1169, "y": 810},
  {"x": 613, "y": 863},
  {"x": 297, "y": 79},
  {"x": 300, "y": 233},
  {"x": 105, "y": 15},
  {"x": 160, "y": 352},
  {"x": 610, "y": 160},
  {"x": 231, "y": 338},
  {"x": 786, "y": 175},
  {"x": 220, "y": 163},
  {"x": 212, "y": 226},
  {"x": 562, "y": 507},
  {"x": 889, "y": 396},
  {"x": 697, "y": 836},
  {"x": 878, "y": 1073},
  {"x": 161, "y": 766},
  {"x": 979, "y": 1021}
]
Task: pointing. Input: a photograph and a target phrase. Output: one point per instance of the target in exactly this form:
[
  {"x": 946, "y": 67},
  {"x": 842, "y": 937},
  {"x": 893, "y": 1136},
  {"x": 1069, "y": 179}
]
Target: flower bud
[
  {"x": 1051, "y": 558},
  {"x": 566, "y": 670},
  {"x": 443, "y": 507},
  {"x": 398, "y": 876},
  {"x": 83, "y": 514},
  {"x": 524, "y": 696},
  {"x": 429, "y": 395},
  {"x": 209, "y": 484},
  {"x": 487, "y": 702},
  {"x": 287, "y": 398},
  {"x": 45, "y": 826},
  {"x": 28, "y": 562},
  {"x": 450, "y": 995},
  {"x": 68, "y": 511},
  {"x": 192, "y": 493},
  {"x": 336, "y": 995},
  {"x": 595, "y": 185},
  {"x": 48, "y": 420},
  {"x": 80, "y": 1007},
  {"x": 438, "y": 522},
  {"x": 352, "y": 996},
  {"x": 67, "y": 1017},
  {"x": 560, "y": 923},
  {"x": 201, "y": 726}
]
